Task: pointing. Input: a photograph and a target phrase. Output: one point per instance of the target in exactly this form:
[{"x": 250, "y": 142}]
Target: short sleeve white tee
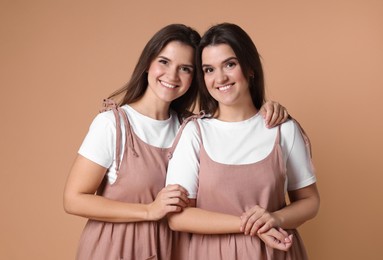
[
  {"x": 238, "y": 143},
  {"x": 99, "y": 144}
]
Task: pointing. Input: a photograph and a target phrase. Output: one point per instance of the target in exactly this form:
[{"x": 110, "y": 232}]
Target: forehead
[
  {"x": 178, "y": 51},
  {"x": 217, "y": 53}
]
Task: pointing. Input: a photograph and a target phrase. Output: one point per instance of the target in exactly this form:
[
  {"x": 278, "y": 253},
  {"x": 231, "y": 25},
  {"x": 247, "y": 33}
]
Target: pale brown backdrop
[{"x": 58, "y": 59}]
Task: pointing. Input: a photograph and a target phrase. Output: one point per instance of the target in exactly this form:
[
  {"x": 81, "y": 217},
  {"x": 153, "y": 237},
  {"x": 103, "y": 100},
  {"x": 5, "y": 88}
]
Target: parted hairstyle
[
  {"x": 137, "y": 85},
  {"x": 248, "y": 58}
]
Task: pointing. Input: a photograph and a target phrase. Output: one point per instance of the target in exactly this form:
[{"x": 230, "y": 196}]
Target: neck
[
  {"x": 154, "y": 110},
  {"x": 235, "y": 114}
]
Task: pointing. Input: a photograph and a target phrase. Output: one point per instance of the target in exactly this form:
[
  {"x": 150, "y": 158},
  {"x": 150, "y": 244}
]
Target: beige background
[{"x": 58, "y": 59}]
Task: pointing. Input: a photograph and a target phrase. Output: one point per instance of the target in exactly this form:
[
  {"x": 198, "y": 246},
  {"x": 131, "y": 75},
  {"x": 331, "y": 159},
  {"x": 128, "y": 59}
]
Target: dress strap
[
  {"x": 278, "y": 138},
  {"x": 129, "y": 132},
  {"x": 194, "y": 118},
  {"x": 109, "y": 104}
]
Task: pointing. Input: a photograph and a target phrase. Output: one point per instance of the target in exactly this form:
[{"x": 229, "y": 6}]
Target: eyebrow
[
  {"x": 224, "y": 61},
  {"x": 185, "y": 65}
]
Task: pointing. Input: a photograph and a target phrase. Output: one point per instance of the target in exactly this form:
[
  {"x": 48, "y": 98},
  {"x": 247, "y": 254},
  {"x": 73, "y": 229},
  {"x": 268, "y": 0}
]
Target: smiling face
[
  {"x": 170, "y": 74},
  {"x": 223, "y": 76}
]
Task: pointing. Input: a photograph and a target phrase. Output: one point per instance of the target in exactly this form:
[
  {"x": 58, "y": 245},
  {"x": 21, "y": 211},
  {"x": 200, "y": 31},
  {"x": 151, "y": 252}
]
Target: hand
[
  {"x": 172, "y": 198},
  {"x": 273, "y": 113},
  {"x": 258, "y": 220},
  {"x": 278, "y": 239}
]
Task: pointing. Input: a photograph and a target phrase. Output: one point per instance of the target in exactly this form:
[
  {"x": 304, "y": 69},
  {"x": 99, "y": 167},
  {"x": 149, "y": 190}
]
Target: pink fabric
[
  {"x": 141, "y": 176},
  {"x": 233, "y": 189}
]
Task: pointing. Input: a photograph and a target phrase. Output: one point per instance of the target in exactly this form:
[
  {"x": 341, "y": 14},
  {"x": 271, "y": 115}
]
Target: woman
[
  {"x": 118, "y": 177},
  {"x": 235, "y": 169}
]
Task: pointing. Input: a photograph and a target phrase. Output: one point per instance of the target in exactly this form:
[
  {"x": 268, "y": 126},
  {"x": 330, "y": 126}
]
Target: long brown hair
[
  {"x": 248, "y": 58},
  {"x": 137, "y": 85}
]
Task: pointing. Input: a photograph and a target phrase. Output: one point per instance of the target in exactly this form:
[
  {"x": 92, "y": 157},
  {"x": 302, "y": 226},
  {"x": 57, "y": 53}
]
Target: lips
[
  {"x": 167, "y": 85},
  {"x": 225, "y": 87}
]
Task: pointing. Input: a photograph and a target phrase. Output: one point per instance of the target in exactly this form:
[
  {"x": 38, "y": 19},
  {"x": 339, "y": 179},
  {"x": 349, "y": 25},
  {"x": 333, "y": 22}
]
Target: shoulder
[
  {"x": 289, "y": 126},
  {"x": 192, "y": 127},
  {"x": 289, "y": 129},
  {"x": 104, "y": 119}
]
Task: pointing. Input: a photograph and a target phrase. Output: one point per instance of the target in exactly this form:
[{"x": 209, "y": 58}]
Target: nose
[
  {"x": 221, "y": 77},
  {"x": 173, "y": 74}
]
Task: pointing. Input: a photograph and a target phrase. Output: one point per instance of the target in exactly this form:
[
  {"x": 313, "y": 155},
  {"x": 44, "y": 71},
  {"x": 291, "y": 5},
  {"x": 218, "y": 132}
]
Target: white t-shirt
[
  {"x": 99, "y": 144},
  {"x": 238, "y": 143}
]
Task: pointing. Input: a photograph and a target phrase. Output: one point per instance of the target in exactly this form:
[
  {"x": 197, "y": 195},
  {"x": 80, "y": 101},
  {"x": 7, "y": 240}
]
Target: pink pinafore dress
[
  {"x": 233, "y": 189},
  {"x": 140, "y": 177}
]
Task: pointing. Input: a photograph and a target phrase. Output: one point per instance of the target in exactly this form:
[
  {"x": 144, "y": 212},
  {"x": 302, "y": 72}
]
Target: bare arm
[
  {"x": 79, "y": 197},
  {"x": 196, "y": 220},
  {"x": 304, "y": 206}
]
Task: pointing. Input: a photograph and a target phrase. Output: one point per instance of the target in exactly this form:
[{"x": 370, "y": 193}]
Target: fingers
[
  {"x": 274, "y": 113},
  {"x": 277, "y": 115},
  {"x": 278, "y": 235},
  {"x": 175, "y": 195},
  {"x": 285, "y": 115},
  {"x": 176, "y": 201},
  {"x": 252, "y": 220},
  {"x": 267, "y": 111},
  {"x": 172, "y": 198},
  {"x": 283, "y": 232},
  {"x": 172, "y": 187},
  {"x": 258, "y": 220},
  {"x": 272, "y": 239}
]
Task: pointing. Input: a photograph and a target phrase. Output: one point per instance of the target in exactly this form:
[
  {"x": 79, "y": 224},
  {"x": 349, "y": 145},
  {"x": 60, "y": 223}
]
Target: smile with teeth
[
  {"x": 167, "y": 85},
  {"x": 225, "y": 87}
]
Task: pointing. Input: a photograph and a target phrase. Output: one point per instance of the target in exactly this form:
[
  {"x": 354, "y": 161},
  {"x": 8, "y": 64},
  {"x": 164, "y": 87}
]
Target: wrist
[
  {"x": 279, "y": 219},
  {"x": 148, "y": 216}
]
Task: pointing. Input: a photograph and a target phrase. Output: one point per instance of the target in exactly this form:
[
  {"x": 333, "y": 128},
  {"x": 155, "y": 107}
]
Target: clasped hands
[
  {"x": 255, "y": 221},
  {"x": 260, "y": 222}
]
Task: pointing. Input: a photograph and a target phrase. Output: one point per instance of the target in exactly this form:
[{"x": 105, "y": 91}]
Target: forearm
[
  {"x": 102, "y": 209},
  {"x": 196, "y": 220},
  {"x": 304, "y": 206}
]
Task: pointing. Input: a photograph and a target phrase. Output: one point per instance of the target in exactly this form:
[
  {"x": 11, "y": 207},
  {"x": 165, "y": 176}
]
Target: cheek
[
  {"x": 154, "y": 71},
  {"x": 208, "y": 81},
  {"x": 187, "y": 80}
]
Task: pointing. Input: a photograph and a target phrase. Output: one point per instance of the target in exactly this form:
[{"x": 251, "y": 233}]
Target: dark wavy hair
[
  {"x": 248, "y": 58},
  {"x": 138, "y": 83}
]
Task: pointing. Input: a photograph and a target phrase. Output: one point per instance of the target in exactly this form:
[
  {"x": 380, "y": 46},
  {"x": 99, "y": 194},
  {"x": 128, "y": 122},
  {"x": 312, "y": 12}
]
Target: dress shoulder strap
[
  {"x": 194, "y": 118},
  {"x": 109, "y": 104}
]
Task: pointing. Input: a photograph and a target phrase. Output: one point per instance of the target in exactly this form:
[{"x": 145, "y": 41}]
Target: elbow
[
  {"x": 69, "y": 204},
  {"x": 317, "y": 206}
]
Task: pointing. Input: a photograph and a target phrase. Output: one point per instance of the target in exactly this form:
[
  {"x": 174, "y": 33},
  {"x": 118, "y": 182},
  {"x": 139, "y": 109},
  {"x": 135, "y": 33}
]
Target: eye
[
  {"x": 207, "y": 70},
  {"x": 162, "y": 61},
  {"x": 231, "y": 64},
  {"x": 186, "y": 69}
]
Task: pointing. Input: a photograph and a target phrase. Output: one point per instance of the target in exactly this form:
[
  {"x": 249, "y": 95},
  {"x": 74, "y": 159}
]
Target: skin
[
  {"x": 226, "y": 83},
  {"x": 169, "y": 76}
]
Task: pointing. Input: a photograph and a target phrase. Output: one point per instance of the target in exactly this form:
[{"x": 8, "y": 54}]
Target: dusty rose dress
[
  {"x": 233, "y": 189},
  {"x": 140, "y": 177}
]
